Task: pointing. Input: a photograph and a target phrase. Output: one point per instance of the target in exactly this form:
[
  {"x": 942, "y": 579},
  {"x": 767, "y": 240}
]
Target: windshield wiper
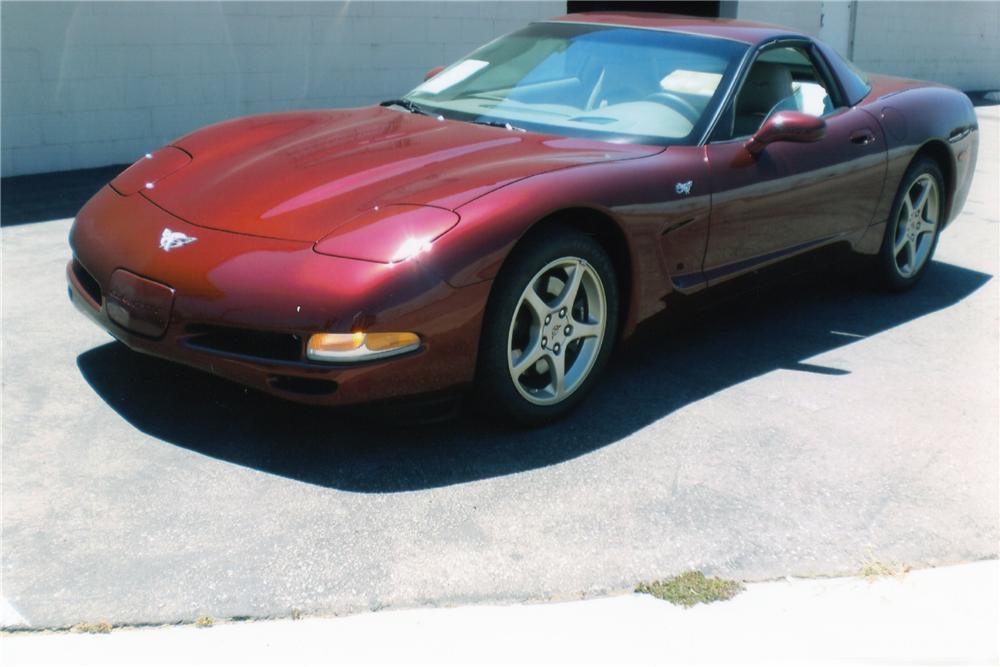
[
  {"x": 496, "y": 123},
  {"x": 406, "y": 104}
]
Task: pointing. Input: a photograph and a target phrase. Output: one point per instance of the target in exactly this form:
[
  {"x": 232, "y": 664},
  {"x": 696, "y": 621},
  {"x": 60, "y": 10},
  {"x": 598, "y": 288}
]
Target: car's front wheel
[{"x": 550, "y": 327}]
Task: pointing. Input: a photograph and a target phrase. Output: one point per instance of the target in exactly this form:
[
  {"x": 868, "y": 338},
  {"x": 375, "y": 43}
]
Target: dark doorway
[{"x": 703, "y": 8}]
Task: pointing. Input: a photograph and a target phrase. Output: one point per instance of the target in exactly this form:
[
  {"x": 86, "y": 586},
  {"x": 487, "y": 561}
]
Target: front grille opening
[
  {"x": 300, "y": 385},
  {"x": 246, "y": 342},
  {"x": 87, "y": 282}
]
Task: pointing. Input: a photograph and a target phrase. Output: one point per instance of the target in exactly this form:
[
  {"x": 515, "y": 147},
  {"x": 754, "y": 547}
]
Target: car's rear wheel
[
  {"x": 911, "y": 234},
  {"x": 550, "y": 327}
]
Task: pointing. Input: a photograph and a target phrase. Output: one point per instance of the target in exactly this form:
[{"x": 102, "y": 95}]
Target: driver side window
[{"x": 780, "y": 79}]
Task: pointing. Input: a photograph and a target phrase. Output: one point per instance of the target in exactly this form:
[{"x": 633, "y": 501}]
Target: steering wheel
[{"x": 677, "y": 103}]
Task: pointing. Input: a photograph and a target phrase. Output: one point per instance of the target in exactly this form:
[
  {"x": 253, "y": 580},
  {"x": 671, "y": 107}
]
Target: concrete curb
[{"x": 941, "y": 615}]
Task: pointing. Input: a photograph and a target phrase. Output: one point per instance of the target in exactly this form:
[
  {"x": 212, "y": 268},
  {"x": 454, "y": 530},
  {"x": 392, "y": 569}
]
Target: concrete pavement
[
  {"x": 792, "y": 435},
  {"x": 940, "y": 616}
]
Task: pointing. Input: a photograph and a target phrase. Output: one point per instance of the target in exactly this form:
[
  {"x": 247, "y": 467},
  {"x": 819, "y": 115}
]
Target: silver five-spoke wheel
[
  {"x": 916, "y": 226},
  {"x": 557, "y": 330}
]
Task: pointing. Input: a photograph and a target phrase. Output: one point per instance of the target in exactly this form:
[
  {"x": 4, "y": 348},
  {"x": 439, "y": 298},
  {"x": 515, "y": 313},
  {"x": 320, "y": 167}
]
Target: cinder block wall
[
  {"x": 86, "y": 84},
  {"x": 957, "y": 43},
  {"x": 802, "y": 15}
]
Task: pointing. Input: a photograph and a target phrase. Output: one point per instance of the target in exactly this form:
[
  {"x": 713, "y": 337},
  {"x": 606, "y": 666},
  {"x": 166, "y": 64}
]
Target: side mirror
[
  {"x": 433, "y": 72},
  {"x": 786, "y": 126}
]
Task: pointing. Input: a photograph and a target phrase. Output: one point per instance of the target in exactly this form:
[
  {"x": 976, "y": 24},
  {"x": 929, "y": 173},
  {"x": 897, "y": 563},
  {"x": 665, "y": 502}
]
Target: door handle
[{"x": 863, "y": 137}]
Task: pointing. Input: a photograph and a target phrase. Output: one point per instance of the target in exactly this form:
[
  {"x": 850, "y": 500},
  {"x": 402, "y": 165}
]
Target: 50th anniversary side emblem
[{"x": 170, "y": 239}]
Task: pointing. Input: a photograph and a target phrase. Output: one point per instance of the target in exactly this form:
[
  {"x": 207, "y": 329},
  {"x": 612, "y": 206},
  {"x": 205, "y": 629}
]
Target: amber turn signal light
[{"x": 359, "y": 346}]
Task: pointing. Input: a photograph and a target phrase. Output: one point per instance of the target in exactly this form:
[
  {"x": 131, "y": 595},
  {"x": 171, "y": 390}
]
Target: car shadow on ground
[{"x": 666, "y": 368}]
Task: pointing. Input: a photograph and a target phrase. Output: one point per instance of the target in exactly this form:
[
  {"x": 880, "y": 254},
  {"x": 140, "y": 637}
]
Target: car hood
[{"x": 300, "y": 175}]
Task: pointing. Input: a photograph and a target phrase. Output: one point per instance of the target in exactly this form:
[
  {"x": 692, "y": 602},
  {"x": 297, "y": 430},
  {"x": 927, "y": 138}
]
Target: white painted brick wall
[
  {"x": 797, "y": 14},
  {"x": 86, "y": 84},
  {"x": 957, "y": 43},
  {"x": 91, "y": 83}
]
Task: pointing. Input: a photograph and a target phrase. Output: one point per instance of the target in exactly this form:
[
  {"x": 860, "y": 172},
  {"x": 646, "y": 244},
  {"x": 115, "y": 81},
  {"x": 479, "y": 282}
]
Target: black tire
[
  {"x": 495, "y": 387},
  {"x": 888, "y": 273}
]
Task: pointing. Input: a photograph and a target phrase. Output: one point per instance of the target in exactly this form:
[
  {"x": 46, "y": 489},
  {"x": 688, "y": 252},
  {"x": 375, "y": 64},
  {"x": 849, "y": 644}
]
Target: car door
[{"x": 791, "y": 197}]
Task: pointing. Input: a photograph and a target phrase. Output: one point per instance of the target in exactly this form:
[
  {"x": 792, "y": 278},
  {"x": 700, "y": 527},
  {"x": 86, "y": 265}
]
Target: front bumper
[{"x": 244, "y": 306}]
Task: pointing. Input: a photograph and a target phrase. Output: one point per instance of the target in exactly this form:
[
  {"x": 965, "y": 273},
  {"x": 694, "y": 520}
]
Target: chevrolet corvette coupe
[{"x": 504, "y": 224}]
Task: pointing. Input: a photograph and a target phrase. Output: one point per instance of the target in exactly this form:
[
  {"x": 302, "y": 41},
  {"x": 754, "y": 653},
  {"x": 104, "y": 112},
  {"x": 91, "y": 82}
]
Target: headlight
[
  {"x": 359, "y": 346},
  {"x": 388, "y": 234},
  {"x": 149, "y": 169}
]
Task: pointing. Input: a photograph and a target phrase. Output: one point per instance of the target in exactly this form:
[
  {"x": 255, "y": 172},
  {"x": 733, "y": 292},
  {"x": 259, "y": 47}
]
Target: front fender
[{"x": 665, "y": 227}]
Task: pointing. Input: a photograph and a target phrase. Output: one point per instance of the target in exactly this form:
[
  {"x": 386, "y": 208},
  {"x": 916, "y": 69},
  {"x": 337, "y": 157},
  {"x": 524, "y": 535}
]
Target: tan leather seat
[{"x": 766, "y": 85}]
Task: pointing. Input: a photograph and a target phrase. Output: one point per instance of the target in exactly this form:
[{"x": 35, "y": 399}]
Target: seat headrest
[{"x": 766, "y": 85}]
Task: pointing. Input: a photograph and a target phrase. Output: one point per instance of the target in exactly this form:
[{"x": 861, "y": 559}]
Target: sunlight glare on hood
[{"x": 411, "y": 247}]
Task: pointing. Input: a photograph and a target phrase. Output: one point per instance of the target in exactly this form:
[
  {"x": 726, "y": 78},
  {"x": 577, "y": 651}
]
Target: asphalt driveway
[{"x": 799, "y": 433}]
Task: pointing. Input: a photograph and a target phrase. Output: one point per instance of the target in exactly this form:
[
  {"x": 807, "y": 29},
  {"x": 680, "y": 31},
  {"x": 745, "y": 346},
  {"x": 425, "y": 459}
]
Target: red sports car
[{"x": 504, "y": 224}]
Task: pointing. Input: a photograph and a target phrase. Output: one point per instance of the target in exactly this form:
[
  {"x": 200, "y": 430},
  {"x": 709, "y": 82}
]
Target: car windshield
[{"x": 626, "y": 85}]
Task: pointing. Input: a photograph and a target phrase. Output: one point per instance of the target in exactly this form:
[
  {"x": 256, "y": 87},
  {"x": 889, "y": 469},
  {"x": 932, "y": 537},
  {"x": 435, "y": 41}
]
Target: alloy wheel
[
  {"x": 916, "y": 226},
  {"x": 557, "y": 330}
]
